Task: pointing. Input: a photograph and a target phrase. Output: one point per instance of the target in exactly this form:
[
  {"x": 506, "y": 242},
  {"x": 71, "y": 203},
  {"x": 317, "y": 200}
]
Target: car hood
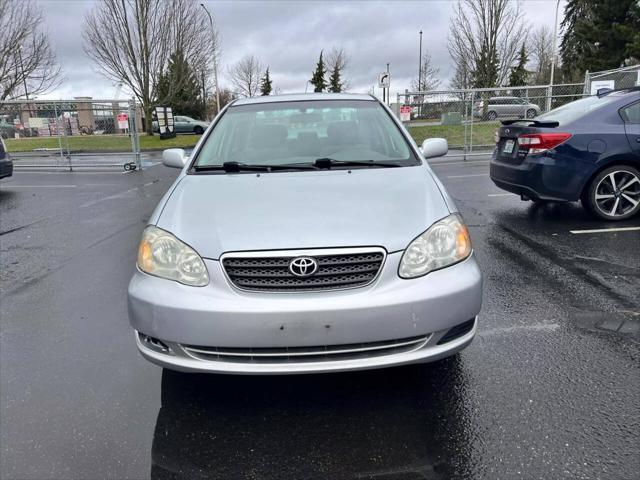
[{"x": 221, "y": 213}]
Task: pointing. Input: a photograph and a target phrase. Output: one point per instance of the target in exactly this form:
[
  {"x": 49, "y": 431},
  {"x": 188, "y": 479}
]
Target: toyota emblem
[{"x": 303, "y": 266}]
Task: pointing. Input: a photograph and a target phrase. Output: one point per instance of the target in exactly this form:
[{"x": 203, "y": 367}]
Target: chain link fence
[
  {"x": 625, "y": 77},
  {"x": 72, "y": 134},
  {"x": 469, "y": 118}
]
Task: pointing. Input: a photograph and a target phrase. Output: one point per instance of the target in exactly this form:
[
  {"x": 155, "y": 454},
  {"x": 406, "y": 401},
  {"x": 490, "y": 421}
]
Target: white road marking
[
  {"x": 479, "y": 162},
  {"x": 502, "y": 195},
  {"x": 26, "y": 169},
  {"x": 536, "y": 327},
  {"x": 39, "y": 186},
  {"x": 473, "y": 175},
  {"x": 606, "y": 230}
]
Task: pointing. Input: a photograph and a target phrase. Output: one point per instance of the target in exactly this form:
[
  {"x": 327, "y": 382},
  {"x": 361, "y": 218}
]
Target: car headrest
[
  {"x": 343, "y": 133},
  {"x": 268, "y": 136}
]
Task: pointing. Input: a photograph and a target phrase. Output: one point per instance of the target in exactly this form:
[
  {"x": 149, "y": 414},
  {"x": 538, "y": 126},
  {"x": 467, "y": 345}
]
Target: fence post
[
  {"x": 133, "y": 132},
  {"x": 549, "y": 94},
  {"x": 58, "y": 113},
  {"x": 472, "y": 101},
  {"x": 587, "y": 86}
]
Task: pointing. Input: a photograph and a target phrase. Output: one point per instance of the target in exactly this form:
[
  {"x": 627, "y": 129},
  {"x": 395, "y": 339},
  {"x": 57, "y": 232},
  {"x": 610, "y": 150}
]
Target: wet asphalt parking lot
[{"x": 550, "y": 387}]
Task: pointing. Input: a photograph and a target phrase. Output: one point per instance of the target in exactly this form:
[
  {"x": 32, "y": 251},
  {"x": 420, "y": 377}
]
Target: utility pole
[
  {"x": 420, "y": 65},
  {"x": 215, "y": 59},
  {"x": 24, "y": 79},
  {"x": 553, "y": 57},
  {"x": 389, "y": 87}
]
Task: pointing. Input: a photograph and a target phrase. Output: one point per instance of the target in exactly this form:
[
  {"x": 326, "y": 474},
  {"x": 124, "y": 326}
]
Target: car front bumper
[{"x": 221, "y": 318}]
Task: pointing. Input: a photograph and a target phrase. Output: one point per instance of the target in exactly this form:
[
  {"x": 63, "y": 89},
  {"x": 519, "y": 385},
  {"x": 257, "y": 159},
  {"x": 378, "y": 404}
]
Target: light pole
[
  {"x": 553, "y": 56},
  {"x": 420, "y": 65},
  {"x": 215, "y": 60},
  {"x": 24, "y": 79}
]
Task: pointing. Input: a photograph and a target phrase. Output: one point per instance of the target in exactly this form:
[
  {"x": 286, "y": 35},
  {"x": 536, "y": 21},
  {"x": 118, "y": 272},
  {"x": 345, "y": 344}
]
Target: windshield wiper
[
  {"x": 234, "y": 167},
  {"x": 537, "y": 123},
  {"x": 330, "y": 162}
]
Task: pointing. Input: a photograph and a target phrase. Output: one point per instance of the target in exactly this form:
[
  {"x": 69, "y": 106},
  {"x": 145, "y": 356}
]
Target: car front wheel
[
  {"x": 198, "y": 130},
  {"x": 492, "y": 115},
  {"x": 531, "y": 113},
  {"x": 614, "y": 193}
]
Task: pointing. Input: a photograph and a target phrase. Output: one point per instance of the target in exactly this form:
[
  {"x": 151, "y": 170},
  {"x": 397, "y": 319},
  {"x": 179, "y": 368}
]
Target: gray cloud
[{"x": 288, "y": 36}]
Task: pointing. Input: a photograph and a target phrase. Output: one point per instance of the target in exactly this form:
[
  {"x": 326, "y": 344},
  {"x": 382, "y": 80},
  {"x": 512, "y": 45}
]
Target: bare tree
[
  {"x": 26, "y": 56},
  {"x": 131, "y": 41},
  {"x": 245, "y": 75},
  {"x": 337, "y": 60},
  {"x": 484, "y": 38},
  {"x": 541, "y": 45},
  {"x": 428, "y": 76}
]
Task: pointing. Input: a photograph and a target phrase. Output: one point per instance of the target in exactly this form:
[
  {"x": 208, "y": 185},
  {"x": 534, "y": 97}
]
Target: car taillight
[{"x": 541, "y": 142}]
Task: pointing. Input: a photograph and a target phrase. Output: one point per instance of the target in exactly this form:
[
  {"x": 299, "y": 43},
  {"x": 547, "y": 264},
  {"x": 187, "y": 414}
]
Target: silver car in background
[
  {"x": 306, "y": 233},
  {"x": 505, "y": 107}
]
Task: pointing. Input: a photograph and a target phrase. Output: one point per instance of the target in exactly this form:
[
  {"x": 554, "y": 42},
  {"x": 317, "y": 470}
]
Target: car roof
[{"x": 301, "y": 97}]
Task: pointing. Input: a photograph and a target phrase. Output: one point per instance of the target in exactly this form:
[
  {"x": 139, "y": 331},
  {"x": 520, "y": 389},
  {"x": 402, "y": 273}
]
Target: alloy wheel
[{"x": 618, "y": 193}]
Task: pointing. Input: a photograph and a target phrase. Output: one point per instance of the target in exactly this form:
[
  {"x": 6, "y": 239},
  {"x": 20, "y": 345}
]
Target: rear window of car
[{"x": 574, "y": 110}]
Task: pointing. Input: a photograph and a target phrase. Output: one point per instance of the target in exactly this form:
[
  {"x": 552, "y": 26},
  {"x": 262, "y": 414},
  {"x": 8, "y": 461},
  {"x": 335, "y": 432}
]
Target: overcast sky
[{"x": 288, "y": 36}]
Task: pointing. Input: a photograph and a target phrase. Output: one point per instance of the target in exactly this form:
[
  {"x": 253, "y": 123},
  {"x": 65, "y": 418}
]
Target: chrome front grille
[
  {"x": 336, "y": 269},
  {"x": 306, "y": 354}
]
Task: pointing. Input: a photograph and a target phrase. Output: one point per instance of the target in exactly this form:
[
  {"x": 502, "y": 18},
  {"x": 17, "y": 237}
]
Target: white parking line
[
  {"x": 606, "y": 230},
  {"x": 465, "y": 176},
  {"x": 474, "y": 162},
  {"x": 501, "y": 195},
  {"x": 39, "y": 186}
]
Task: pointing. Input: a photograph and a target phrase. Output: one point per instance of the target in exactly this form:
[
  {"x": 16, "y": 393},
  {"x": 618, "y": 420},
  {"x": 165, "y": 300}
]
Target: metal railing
[{"x": 72, "y": 134}]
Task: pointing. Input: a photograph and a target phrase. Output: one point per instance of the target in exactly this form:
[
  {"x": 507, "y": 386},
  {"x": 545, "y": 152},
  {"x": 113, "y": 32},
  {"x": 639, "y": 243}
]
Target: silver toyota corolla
[{"x": 306, "y": 233}]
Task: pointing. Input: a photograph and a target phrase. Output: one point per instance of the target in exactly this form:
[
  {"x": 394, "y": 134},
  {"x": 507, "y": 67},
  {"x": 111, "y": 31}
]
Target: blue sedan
[{"x": 587, "y": 150}]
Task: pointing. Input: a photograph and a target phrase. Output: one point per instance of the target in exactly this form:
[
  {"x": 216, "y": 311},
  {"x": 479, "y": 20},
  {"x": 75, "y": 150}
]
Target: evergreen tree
[
  {"x": 486, "y": 71},
  {"x": 265, "y": 84},
  {"x": 598, "y": 35},
  {"x": 317, "y": 80},
  {"x": 180, "y": 88},
  {"x": 335, "y": 84},
  {"x": 518, "y": 76}
]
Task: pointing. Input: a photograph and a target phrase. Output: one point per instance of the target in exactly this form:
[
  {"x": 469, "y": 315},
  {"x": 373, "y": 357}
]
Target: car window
[
  {"x": 301, "y": 132},
  {"x": 576, "y": 109},
  {"x": 631, "y": 113}
]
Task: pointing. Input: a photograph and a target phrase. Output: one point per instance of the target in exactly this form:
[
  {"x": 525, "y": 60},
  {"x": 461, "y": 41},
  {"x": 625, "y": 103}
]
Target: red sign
[
  {"x": 123, "y": 121},
  {"x": 405, "y": 113}
]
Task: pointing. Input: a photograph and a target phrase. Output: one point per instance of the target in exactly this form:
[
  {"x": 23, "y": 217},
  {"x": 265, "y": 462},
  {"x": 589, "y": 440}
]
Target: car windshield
[
  {"x": 300, "y": 132},
  {"x": 574, "y": 110}
]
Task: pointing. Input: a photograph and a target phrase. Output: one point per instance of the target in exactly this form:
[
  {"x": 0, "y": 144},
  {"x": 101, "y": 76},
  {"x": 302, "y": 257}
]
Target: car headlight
[
  {"x": 446, "y": 242},
  {"x": 163, "y": 255}
]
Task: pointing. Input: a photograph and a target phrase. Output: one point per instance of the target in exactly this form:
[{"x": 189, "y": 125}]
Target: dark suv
[
  {"x": 6, "y": 165},
  {"x": 586, "y": 150}
]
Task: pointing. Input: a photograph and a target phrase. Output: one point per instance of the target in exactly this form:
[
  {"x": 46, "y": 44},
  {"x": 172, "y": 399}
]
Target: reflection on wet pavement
[{"x": 400, "y": 423}]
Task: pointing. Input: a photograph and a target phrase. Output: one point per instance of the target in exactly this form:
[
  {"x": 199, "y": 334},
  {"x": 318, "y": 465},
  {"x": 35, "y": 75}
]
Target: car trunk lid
[{"x": 518, "y": 138}]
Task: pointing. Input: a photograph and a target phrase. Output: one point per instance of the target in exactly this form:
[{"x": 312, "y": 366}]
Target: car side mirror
[
  {"x": 434, "y": 147},
  {"x": 174, "y": 158}
]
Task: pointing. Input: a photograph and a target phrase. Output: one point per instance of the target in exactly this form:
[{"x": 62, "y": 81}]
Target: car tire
[
  {"x": 531, "y": 113},
  {"x": 198, "y": 130},
  {"x": 612, "y": 192},
  {"x": 492, "y": 115}
]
